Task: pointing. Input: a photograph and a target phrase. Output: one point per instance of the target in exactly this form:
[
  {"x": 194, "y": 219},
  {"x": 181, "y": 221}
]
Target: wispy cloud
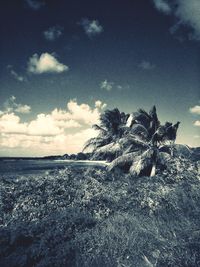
[
  {"x": 91, "y": 27},
  {"x": 15, "y": 75},
  {"x": 163, "y": 6},
  {"x": 52, "y": 132},
  {"x": 46, "y": 63},
  {"x": 106, "y": 85},
  {"x": 11, "y": 105},
  {"x": 185, "y": 12},
  {"x": 146, "y": 65},
  {"x": 53, "y": 33},
  {"x": 35, "y": 4}
]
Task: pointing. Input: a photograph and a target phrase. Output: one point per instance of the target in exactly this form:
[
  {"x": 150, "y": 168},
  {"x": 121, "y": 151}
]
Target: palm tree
[
  {"x": 143, "y": 145},
  {"x": 111, "y": 128}
]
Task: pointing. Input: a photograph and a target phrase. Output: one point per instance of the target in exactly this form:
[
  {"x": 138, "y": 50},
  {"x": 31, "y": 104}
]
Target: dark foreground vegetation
[{"x": 92, "y": 217}]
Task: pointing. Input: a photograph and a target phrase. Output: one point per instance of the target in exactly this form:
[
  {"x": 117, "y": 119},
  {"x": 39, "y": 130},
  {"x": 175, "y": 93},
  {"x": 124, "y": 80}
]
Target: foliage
[
  {"x": 137, "y": 140},
  {"x": 91, "y": 217}
]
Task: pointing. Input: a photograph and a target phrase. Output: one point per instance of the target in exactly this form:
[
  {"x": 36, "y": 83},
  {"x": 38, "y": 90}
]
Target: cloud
[
  {"x": 61, "y": 131},
  {"x": 15, "y": 75},
  {"x": 46, "y": 63},
  {"x": 100, "y": 105},
  {"x": 146, "y": 65},
  {"x": 195, "y": 109},
  {"x": 10, "y": 105},
  {"x": 53, "y": 33},
  {"x": 197, "y": 123},
  {"x": 162, "y": 6},
  {"x": 91, "y": 27},
  {"x": 106, "y": 85},
  {"x": 186, "y": 13},
  {"x": 35, "y": 4}
]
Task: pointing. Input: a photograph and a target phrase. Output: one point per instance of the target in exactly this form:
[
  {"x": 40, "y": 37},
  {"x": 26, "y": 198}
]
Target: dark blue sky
[{"x": 122, "y": 53}]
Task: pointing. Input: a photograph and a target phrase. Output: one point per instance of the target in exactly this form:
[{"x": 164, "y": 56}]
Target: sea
[{"x": 37, "y": 166}]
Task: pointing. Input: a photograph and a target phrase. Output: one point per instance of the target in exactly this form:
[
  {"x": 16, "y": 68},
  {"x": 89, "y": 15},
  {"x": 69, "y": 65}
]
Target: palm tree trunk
[
  {"x": 154, "y": 160},
  {"x": 153, "y": 170}
]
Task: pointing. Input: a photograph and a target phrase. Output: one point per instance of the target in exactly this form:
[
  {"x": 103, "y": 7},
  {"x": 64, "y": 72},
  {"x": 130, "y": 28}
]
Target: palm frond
[
  {"x": 122, "y": 161},
  {"x": 98, "y": 128},
  {"x": 94, "y": 143},
  {"x": 137, "y": 141},
  {"x": 109, "y": 148},
  {"x": 140, "y": 130},
  {"x": 142, "y": 162}
]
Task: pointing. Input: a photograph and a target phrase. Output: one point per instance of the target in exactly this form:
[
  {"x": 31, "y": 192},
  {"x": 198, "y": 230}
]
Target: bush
[{"x": 90, "y": 217}]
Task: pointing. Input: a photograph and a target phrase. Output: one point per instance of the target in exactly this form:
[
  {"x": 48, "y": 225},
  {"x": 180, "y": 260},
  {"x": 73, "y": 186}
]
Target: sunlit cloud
[
  {"x": 195, "y": 109},
  {"x": 197, "y": 123},
  {"x": 46, "y": 63},
  {"x": 60, "y": 131}
]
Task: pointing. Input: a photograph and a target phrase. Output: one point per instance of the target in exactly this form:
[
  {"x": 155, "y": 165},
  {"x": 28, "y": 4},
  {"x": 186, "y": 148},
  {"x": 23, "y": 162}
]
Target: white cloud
[
  {"x": 146, "y": 65},
  {"x": 195, "y": 109},
  {"x": 91, "y": 27},
  {"x": 197, "y": 123},
  {"x": 61, "y": 131},
  {"x": 186, "y": 13},
  {"x": 10, "y": 123},
  {"x": 23, "y": 109},
  {"x": 100, "y": 105},
  {"x": 35, "y": 4},
  {"x": 10, "y": 105},
  {"x": 106, "y": 85},
  {"x": 46, "y": 63},
  {"x": 163, "y": 6},
  {"x": 53, "y": 33}
]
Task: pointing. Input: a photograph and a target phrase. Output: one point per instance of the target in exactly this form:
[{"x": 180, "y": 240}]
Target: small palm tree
[
  {"x": 111, "y": 128},
  {"x": 145, "y": 143}
]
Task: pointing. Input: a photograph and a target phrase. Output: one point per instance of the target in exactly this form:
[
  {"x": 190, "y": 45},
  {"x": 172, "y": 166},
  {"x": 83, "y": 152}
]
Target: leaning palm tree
[
  {"x": 144, "y": 142},
  {"x": 111, "y": 128}
]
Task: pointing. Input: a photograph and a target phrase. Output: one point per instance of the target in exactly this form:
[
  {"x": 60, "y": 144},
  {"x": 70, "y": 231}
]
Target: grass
[{"x": 89, "y": 217}]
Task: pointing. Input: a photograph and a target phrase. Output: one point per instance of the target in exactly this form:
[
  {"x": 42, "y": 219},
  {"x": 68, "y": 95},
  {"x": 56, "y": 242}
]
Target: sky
[{"x": 63, "y": 62}]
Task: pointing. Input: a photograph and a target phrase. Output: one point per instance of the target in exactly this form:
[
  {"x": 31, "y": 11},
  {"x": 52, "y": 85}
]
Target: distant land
[{"x": 195, "y": 156}]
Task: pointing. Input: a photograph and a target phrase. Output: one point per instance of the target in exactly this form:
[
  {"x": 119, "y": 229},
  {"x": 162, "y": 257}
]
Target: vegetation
[
  {"x": 92, "y": 217},
  {"x": 136, "y": 142}
]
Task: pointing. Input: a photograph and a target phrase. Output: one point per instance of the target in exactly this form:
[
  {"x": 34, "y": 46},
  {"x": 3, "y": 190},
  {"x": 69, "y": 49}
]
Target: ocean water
[{"x": 28, "y": 166}]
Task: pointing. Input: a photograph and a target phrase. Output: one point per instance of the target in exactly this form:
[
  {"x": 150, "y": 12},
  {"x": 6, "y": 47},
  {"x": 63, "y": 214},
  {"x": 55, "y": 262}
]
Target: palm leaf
[
  {"x": 139, "y": 130},
  {"x": 94, "y": 143},
  {"x": 99, "y": 128},
  {"x": 142, "y": 162},
  {"x": 122, "y": 161}
]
